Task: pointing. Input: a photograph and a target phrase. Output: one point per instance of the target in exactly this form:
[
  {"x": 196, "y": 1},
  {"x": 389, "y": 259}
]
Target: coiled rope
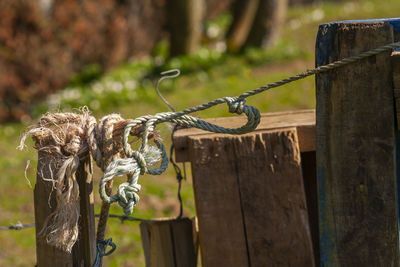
[{"x": 138, "y": 162}]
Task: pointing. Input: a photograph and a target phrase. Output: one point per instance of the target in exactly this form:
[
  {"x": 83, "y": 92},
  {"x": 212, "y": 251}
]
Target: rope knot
[
  {"x": 128, "y": 196},
  {"x": 102, "y": 250},
  {"x": 236, "y": 105},
  {"x": 141, "y": 161},
  {"x": 73, "y": 146}
]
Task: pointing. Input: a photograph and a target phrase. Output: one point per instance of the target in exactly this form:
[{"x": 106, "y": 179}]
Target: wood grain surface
[
  {"x": 84, "y": 250},
  {"x": 168, "y": 243},
  {"x": 395, "y": 57},
  {"x": 356, "y": 147},
  {"x": 250, "y": 199}
]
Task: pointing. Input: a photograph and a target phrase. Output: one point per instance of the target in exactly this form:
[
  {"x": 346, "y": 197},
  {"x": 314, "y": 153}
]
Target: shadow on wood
[{"x": 169, "y": 243}]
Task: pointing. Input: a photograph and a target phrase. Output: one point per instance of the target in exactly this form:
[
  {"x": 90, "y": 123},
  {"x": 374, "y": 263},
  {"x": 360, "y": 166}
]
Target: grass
[{"x": 129, "y": 90}]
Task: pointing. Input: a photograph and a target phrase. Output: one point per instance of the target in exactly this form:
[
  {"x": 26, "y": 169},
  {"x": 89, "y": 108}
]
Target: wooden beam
[
  {"x": 396, "y": 83},
  {"x": 168, "y": 242},
  {"x": 356, "y": 147},
  {"x": 84, "y": 250},
  {"x": 250, "y": 199},
  {"x": 303, "y": 120}
]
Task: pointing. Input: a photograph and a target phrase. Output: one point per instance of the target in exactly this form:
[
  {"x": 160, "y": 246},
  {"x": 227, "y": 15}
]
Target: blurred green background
[{"x": 208, "y": 73}]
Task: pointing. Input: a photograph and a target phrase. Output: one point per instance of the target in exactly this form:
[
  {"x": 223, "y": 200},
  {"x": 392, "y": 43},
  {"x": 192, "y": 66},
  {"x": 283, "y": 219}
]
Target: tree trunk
[
  {"x": 267, "y": 23},
  {"x": 244, "y": 12},
  {"x": 185, "y": 25},
  {"x": 303, "y": 2}
]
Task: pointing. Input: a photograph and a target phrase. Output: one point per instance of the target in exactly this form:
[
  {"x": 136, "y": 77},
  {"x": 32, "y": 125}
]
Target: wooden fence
[
  {"x": 250, "y": 190},
  {"x": 307, "y": 188}
]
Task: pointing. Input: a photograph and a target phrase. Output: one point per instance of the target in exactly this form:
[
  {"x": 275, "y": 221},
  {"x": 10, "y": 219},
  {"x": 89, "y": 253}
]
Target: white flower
[{"x": 130, "y": 84}]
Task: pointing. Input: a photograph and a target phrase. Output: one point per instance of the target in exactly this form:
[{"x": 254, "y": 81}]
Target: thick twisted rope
[
  {"x": 322, "y": 69},
  {"x": 236, "y": 105},
  {"x": 126, "y": 195},
  {"x": 65, "y": 139},
  {"x": 60, "y": 139},
  {"x": 104, "y": 147},
  {"x": 109, "y": 146},
  {"x": 318, "y": 70},
  {"x": 137, "y": 162}
]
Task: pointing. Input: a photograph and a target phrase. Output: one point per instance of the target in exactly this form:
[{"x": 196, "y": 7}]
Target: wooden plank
[
  {"x": 168, "y": 242},
  {"x": 356, "y": 147},
  {"x": 250, "y": 200},
  {"x": 308, "y": 166},
  {"x": 196, "y": 242},
  {"x": 304, "y": 120},
  {"x": 395, "y": 57},
  {"x": 273, "y": 199},
  {"x": 182, "y": 231},
  {"x": 145, "y": 235},
  {"x": 162, "y": 251},
  {"x": 84, "y": 250},
  {"x": 221, "y": 228},
  {"x": 84, "y": 253}
]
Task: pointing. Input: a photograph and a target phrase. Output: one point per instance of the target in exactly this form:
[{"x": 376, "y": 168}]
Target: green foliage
[
  {"x": 116, "y": 88},
  {"x": 160, "y": 53},
  {"x": 215, "y": 29},
  {"x": 135, "y": 81},
  {"x": 283, "y": 51},
  {"x": 88, "y": 74},
  {"x": 203, "y": 60}
]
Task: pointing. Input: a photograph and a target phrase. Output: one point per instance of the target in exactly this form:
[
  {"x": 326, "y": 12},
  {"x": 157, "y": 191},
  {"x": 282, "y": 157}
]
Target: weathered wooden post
[
  {"x": 249, "y": 191},
  {"x": 396, "y": 83},
  {"x": 84, "y": 251},
  {"x": 63, "y": 197},
  {"x": 357, "y": 147},
  {"x": 168, "y": 242}
]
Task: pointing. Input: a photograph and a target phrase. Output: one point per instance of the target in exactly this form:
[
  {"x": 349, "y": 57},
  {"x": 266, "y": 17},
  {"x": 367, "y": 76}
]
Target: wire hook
[
  {"x": 164, "y": 77},
  {"x": 178, "y": 172}
]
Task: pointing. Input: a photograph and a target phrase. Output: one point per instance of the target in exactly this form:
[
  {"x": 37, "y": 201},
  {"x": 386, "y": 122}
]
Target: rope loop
[
  {"x": 164, "y": 160},
  {"x": 118, "y": 167},
  {"x": 145, "y": 150},
  {"x": 235, "y": 105},
  {"x": 102, "y": 246},
  {"x": 127, "y": 193},
  {"x": 102, "y": 250},
  {"x": 127, "y": 131},
  {"x": 139, "y": 163}
]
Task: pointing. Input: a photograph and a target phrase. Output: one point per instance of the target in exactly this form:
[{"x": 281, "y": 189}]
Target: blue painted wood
[{"x": 356, "y": 144}]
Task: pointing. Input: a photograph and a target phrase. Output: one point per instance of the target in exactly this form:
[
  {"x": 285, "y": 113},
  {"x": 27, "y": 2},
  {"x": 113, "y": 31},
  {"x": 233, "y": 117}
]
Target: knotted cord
[{"x": 66, "y": 137}]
